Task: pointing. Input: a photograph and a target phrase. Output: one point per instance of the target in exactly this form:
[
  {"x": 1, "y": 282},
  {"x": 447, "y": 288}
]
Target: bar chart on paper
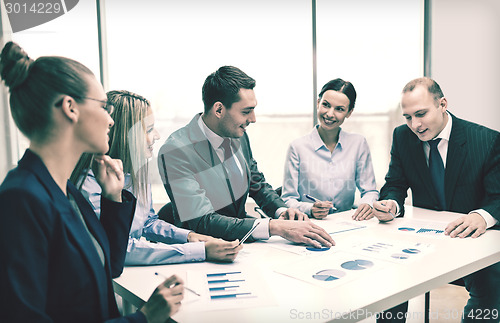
[
  {"x": 390, "y": 250},
  {"x": 228, "y": 285},
  {"x": 423, "y": 228},
  {"x": 229, "y": 289}
]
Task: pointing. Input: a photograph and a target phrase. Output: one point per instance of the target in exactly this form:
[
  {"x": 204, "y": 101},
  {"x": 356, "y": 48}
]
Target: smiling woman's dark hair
[
  {"x": 342, "y": 86},
  {"x": 35, "y": 87}
]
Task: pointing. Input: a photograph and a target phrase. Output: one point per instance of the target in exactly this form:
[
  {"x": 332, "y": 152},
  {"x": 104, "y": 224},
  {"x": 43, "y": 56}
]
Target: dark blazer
[
  {"x": 195, "y": 181},
  {"x": 50, "y": 270},
  {"x": 472, "y": 174}
]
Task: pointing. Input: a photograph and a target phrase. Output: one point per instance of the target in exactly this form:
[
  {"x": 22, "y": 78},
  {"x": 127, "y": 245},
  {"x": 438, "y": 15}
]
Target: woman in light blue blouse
[
  {"x": 151, "y": 240},
  {"x": 324, "y": 168}
]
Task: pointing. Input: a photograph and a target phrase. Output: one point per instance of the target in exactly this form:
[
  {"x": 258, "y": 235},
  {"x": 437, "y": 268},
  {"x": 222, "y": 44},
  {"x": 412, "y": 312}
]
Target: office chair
[
  {"x": 259, "y": 210},
  {"x": 166, "y": 213}
]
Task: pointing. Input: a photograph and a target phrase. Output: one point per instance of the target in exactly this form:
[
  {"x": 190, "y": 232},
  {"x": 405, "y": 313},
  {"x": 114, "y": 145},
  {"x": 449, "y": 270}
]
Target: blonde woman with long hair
[{"x": 131, "y": 139}]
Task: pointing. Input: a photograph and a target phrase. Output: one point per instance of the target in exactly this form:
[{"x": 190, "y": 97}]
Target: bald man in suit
[{"x": 450, "y": 165}]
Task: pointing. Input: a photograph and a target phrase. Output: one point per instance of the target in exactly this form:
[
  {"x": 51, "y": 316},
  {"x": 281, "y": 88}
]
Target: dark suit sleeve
[
  {"x": 491, "y": 203},
  {"x": 116, "y": 219},
  {"x": 25, "y": 254},
  {"x": 221, "y": 226},
  {"x": 396, "y": 185},
  {"x": 137, "y": 317},
  {"x": 263, "y": 193}
]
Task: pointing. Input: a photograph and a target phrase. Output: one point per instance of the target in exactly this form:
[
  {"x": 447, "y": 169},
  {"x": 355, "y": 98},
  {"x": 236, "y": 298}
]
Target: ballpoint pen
[
  {"x": 312, "y": 198},
  {"x": 186, "y": 288},
  {"x": 248, "y": 233},
  {"x": 392, "y": 214}
]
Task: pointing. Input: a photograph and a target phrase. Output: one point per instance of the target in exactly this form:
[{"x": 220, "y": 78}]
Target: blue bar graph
[
  {"x": 214, "y": 289},
  {"x": 223, "y": 274},
  {"x": 236, "y": 295},
  {"x": 227, "y": 285},
  {"x": 424, "y": 230},
  {"x": 225, "y": 281}
]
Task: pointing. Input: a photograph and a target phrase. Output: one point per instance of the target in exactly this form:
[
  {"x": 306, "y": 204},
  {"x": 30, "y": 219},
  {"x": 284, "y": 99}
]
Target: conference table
[{"x": 372, "y": 267}]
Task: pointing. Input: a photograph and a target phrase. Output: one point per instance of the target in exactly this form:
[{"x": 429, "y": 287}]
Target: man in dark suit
[
  {"x": 208, "y": 170},
  {"x": 450, "y": 165}
]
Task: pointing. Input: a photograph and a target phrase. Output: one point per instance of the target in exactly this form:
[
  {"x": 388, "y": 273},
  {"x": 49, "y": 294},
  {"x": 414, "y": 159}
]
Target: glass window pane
[
  {"x": 376, "y": 45},
  {"x": 73, "y": 35},
  {"x": 164, "y": 50}
]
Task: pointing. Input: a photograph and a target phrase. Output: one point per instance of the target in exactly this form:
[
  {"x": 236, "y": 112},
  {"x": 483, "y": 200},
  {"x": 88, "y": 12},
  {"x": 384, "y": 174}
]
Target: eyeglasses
[{"x": 107, "y": 106}]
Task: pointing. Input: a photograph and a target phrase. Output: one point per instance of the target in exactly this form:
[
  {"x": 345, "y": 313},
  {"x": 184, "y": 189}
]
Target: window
[
  {"x": 74, "y": 35},
  {"x": 165, "y": 50},
  {"x": 376, "y": 45}
]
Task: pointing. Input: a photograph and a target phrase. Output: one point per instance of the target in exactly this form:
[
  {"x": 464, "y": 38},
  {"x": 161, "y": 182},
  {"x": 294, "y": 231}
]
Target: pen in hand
[
  {"x": 390, "y": 212},
  {"x": 186, "y": 288},
  {"x": 248, "y": 233},
  {"x": 312, "y": 198}
]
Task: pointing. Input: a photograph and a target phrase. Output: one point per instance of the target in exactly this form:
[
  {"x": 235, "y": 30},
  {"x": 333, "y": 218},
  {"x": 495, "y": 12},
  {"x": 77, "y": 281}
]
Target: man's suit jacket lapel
[
  {"x": 457, "y": 154},
  {"x": 71, "y": 219},
  {"x": 201, "y": 144}
]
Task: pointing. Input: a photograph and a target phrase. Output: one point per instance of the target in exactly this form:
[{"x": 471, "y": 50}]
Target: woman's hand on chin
[{"x": 109, "y": 174}]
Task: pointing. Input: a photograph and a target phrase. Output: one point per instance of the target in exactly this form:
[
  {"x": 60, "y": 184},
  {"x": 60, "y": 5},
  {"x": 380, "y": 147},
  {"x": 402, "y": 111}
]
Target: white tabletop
[{"x": 292, "y": 299}]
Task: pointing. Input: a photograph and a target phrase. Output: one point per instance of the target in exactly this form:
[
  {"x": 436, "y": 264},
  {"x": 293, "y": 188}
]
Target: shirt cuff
[
  {"x": 306, "y": 208},
  {"x": 195, "y": 251},
  {"x": 490, "y": 221},
  {"x": 262, "y": 231},
  {"x": 181, "y": 234},
  {"x": 279, "y": 211}
]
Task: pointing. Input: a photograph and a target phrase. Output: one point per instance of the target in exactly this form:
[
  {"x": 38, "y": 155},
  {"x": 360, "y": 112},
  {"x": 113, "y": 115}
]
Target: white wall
[
  {"x": 5, "y": 124},
  {"x": 465, "y": 57}
]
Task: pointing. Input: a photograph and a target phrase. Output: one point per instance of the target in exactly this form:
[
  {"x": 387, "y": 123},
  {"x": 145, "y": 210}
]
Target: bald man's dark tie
[{"x": 436, "y": 167}]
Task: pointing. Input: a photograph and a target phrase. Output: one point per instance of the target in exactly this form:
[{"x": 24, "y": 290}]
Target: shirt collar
[
  {"x": 318, "y": 142},
  {"x": 214, "y": 139},
  {"x": 445, "y": 133}
]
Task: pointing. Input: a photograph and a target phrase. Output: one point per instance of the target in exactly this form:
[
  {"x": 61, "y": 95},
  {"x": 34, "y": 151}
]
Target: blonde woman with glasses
[{"x": 152, "y": 241}]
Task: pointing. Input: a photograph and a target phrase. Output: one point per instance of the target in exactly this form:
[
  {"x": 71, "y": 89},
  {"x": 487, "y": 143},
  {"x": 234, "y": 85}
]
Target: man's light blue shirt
[
  {"x": 172, "y": 246},
  {"x": 310, "y": 168}
]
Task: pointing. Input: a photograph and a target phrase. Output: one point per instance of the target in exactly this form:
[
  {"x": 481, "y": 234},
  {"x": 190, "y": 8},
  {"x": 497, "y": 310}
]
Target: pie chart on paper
[
  {"x": 329, "y": 274},
  {"x": 318, "y": 249},
  {"x": 358, "y": 264},
  {"x": 411, "y": 251},
  {"x": 406, "y": 229}
]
